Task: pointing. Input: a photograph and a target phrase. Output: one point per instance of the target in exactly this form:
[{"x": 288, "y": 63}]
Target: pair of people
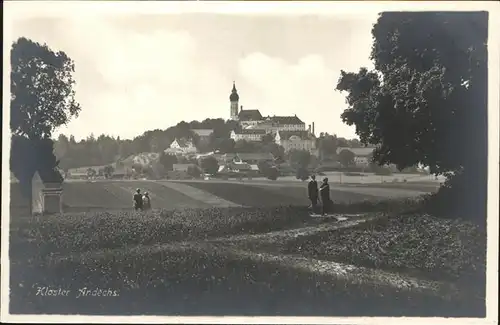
[
  {"x": 323, "y": 193},
  {"x": 141, "y": 202}
]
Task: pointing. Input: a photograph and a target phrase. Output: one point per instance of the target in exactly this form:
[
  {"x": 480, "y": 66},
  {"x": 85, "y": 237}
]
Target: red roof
[
  {"x": 250, "y": 115},
  {"x": 286, "y": 120}
]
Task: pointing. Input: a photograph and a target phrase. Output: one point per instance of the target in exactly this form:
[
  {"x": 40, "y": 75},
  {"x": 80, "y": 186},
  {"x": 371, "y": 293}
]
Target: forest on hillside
[{"x": 105, "y": 149}]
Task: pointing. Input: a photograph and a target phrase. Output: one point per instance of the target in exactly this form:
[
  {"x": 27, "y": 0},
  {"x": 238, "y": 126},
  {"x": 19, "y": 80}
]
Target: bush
[
  {"x": 268, "y": 171},
  {"x": 302, "y": 174},
  {"x": 380, "y": 170},
  {"x": 463, "y": 195},
  {"x": 383, "y": 172},
  {"x": 210, "y": 165},
  {"x": 272, "y": 173},
  {"x": 194, "y": 171}
]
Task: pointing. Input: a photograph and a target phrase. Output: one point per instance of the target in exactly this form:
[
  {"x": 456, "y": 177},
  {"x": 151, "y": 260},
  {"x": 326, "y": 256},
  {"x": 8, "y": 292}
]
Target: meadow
[{"x": 229, "y": 248}]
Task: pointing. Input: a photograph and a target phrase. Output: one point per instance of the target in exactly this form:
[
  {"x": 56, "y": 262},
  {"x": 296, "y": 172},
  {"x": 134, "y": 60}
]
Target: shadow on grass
[{"x": 184, "y": 280}]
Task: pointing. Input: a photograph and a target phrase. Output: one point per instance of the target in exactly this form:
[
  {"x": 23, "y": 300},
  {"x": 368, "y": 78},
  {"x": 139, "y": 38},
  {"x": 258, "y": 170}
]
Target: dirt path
[
  {"x": 247, "y": 247},
  {"x": 335, "y": 271},
  {"x": 278, "y": 237}
]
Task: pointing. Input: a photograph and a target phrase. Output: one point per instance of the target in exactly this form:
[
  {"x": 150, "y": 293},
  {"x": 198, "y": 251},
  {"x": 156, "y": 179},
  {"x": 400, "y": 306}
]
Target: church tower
[{"x": 234, "y": 98}]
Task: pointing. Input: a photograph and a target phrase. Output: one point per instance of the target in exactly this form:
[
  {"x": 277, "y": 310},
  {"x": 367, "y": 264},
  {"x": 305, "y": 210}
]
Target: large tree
[
  {"x": 29, "y": 156},
  {"x": 299, "y": 158},
  {"x": 327, "y": 145},
  {"x": 168, "y": 161},
  {"x": 42, "y": 89},
  {"x": 42, "y": 99},
  {"x": 209, "y": 165},
  {"x": 346, "y": 158},
  {"x": 426, "y": 100}
]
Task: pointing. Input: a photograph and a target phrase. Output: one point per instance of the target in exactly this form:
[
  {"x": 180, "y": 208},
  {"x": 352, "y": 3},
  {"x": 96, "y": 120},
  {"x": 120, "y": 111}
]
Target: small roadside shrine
[{"x": 46, "y": 196}]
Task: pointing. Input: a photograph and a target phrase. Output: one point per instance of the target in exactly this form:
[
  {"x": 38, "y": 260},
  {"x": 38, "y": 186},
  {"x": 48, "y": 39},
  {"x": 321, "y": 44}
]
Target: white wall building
[
  {"x": 362, "y": 156},
  {"x": 298, "y": 140},
  {"x": 253, "y": 119},
  {"x": 182, "y": 146},
  {"x": 287, "y": 123},
  {"x": 248, "y": 135},
  {"x": 203, "y": 133}
]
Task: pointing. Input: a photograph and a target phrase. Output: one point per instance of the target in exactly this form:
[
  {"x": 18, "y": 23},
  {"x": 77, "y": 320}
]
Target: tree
[
  {"x": 108, "y": 171},
  {"x": 29, "y": 156},
  {"x": 346, "y": 158},
  {"x": 263, "y": 167},
  {"x": 342, "y": 143},
  {"x": 224, "y": 145},
  {"x": 41, "y": 85},
  {"x": 272, "y": 173},
  {"x": 299, "y": 158},
  {"x": 267, "y": 138},
  {"x": 210, "y": 165},
  {"x": 379, "y": 170},
  {"x": 138, "y": 168},
  {"x": 426, "y": 101},
  {"x": 194, "y": 171},
  {"x": 267, "y": 170},
  {"x": 42, "y": 99},
  {"x": 354, "y": 143},
  {"x": 91, "y": 173},
  {"x": 302, "y": 173},
  {"x": 243, "y": 146},
  {"x": 276, "y": 150},
  {"x": 327, "y": 145},
  {"x": 168, "y": 161}
]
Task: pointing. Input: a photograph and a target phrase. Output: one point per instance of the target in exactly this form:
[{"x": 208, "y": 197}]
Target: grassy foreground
[
  {"x": 437, "y": 249},
  {"x": 82, "y": 232},
  {"x": 159, "y": 263}
]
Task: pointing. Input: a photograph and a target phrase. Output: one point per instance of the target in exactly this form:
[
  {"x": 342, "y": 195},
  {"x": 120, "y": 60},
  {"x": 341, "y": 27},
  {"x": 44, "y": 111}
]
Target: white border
[{"x": 55, "y": 8}]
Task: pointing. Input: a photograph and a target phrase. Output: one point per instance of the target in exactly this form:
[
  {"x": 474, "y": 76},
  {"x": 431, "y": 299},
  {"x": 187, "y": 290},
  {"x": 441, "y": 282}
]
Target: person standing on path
[
  {"x": 146, "y": 201},
  {"x": 138, "y": 200},
  {"x": 312, "y": 192},
  {"x": 324, "y": 191}
]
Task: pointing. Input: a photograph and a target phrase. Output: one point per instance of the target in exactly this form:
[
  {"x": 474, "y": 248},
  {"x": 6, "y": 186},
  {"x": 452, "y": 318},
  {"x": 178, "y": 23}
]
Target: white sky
[{"x": 141, "y": 72}]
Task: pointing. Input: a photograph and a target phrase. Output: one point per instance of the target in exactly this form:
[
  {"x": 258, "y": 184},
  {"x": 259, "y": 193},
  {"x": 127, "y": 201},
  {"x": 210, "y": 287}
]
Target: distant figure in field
[
  {"x": 138, "y": 200},
  {"x": 312, "y": 192},
  {"x": 324, "y": 191},
  {"x": 146, "y": 201}
]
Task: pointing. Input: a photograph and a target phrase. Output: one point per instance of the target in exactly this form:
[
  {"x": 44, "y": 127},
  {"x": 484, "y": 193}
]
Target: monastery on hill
[{"x": 288, "y": 131}]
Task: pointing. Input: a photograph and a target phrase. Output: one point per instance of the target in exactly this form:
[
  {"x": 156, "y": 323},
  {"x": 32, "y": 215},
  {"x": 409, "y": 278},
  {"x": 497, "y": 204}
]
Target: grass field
[
  {"x": 117, "y": 195},
  {"x": 202, "y": 251}
]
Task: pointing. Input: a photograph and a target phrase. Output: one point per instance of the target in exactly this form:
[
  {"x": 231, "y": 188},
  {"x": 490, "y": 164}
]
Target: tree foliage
[
  {"x": 29, "y": 156},
  {"x": 42, "y": 94},
  {"x": 194, "y": 171},
  {"x": 210, "y": 165},
  {"x": 346, "y": 158},
  {"x": 302, "y": 173},
  {"x": 42, "y": 99},
  {"x": 327, "y": 145},
  {"x": 426, "y": 100},
  {"x": 299, "y": 158},
  {"x": 168, "y": 161},
  {"x": 91, "y": 173},
  {"x": 108, "y": 171},
  {"x": 272, "y": 173}
]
